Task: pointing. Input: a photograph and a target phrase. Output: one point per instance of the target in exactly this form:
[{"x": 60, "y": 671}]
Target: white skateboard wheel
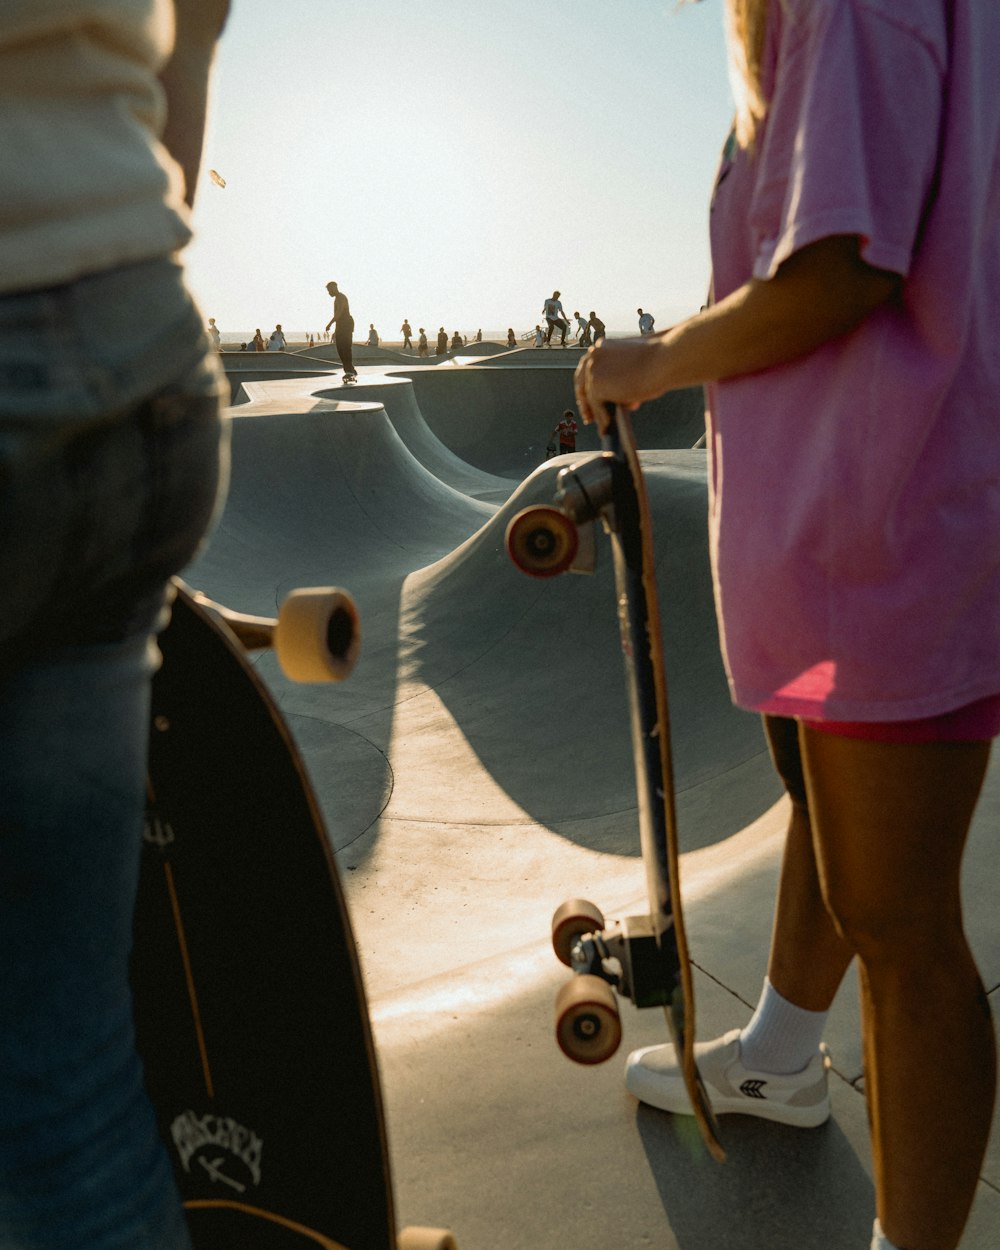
[{"x": 318, "y": 635}]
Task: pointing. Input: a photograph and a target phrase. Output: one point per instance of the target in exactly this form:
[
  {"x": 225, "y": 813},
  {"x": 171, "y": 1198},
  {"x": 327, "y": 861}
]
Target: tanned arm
[{"x": 819, "y": 294}]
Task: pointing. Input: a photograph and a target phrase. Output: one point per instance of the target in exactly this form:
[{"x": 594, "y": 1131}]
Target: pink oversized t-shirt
[{"x": 855, "y": 494}]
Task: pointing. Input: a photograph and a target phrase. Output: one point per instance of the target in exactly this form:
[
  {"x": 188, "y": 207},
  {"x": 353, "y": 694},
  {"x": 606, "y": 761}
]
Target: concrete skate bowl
[
  {"x": 399, "y": 399},
  {"x": 500, "y": 420},
  {"x": 243, "y": 367},
  {"x": 484, "y": 349},
  {"x": 531, "y": 357},
  {"x": 531, "y": 674},
  {"x": 320, "y": 494},
  {"x": 464, "y": 658},
  {"x": 328, "y": 487},
  {"x": 365, "y": 355}
]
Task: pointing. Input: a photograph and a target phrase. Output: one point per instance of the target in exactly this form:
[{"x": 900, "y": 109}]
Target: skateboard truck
[
  {"x": 547, "y": 541},
  {"x": 627, "y": 957},
  {"x": 585, "y": 490}
]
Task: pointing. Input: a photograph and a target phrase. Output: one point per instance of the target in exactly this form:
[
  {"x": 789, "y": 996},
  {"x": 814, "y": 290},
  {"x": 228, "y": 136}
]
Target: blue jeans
[{"x": 110, "y": 446}]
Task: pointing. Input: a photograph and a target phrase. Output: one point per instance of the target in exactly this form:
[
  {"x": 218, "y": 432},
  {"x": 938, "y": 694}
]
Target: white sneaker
[{"x": 802, "y": 1099}]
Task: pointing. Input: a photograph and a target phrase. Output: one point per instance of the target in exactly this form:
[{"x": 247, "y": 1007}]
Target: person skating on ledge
[
  {"x": 344, "y": 329},
  {"x": 555, "y": 318},
  {"x": 853, "y": 386}
]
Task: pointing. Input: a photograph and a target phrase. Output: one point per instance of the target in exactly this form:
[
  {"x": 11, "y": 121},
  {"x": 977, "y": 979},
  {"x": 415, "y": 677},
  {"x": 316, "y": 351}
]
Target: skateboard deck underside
[{"x": 250, "y": 1011}]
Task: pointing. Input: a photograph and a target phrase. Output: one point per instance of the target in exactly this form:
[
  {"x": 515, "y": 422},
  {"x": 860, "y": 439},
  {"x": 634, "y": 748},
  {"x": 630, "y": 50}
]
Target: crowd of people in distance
[{"x": 590, "y": 330}]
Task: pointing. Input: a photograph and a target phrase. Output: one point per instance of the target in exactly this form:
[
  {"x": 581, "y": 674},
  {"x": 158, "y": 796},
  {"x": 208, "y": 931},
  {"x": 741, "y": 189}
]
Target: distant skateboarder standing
[
  {"x": 597, "y": 325},
  {"x": 554, "y": 315},
  {"x": 566, "y": 429},
  {"x": 406, "y": 332},
  {"x": 344, "y": 322}
]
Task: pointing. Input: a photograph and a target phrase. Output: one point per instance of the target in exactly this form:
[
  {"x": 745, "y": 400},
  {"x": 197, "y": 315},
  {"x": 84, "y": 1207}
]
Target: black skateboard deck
[
  {"x": 651, "y": 950},
  {"x": 250, "y": 1010}
]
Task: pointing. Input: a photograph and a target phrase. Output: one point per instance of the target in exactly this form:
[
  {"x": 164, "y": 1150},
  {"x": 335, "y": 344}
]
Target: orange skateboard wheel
[{"x": 542, "y": 541}]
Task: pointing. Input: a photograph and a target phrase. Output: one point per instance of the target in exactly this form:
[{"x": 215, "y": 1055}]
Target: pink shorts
[{"x": 976, "y": 722}]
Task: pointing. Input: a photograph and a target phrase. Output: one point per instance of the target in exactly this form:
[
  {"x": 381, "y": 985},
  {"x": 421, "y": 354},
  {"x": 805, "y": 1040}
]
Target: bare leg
[
  {"x": 808, "y": 956},
  {"x": 890, "y": 822}
]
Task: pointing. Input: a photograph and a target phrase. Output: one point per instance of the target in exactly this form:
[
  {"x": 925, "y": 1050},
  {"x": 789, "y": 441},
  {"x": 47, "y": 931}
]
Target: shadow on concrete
[
  {"x": 531, "y": 672},
  {"x": 780, "y": 1187}
]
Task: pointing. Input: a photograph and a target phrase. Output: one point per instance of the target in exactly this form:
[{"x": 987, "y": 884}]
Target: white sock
[
  {"x": 879, "y": 1240},
  {"x": 781, "y": 1038}
]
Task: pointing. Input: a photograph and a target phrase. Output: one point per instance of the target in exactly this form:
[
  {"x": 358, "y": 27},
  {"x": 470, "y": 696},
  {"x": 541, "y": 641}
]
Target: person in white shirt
[
  {"x": 646, "y": 322},
  {"x": 112, "y": 461},
  {"x": 276, "y": 343},
  {"x": 554, "y": 315}
]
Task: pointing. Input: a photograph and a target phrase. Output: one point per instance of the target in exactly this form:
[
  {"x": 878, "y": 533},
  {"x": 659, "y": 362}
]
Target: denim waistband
[{"x": 94, "y": 347}]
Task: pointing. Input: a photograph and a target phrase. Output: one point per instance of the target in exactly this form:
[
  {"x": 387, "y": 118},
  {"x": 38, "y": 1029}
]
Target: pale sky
[{"x": 454, "y": 163}]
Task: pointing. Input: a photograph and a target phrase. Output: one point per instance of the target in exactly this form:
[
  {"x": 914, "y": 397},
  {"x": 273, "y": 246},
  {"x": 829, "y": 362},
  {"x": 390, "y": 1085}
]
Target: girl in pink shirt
[{"x": 853, "y": 378}]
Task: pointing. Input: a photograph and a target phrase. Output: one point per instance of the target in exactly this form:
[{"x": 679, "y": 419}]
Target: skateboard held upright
[
  {"x": 642, "y": 958},
  {"x": 250, "y": 1011}
]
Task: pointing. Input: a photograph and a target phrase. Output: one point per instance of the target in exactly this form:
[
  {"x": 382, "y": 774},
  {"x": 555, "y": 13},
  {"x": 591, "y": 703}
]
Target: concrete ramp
[
  {"x": 531, "y": 357},
  {"x": 328, "y": 488},
  {"x": 530, "y": 672},
  {"x": 500, "y": 419},
  {"x": 397, "y": 396},
  {"x": 380, "y": 356},
  {"x": 243, "y": 367}
]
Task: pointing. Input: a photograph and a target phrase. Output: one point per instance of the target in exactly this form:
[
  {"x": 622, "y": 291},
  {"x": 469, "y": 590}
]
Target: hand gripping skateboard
[
  {"x": 643, "y": 958},
  {"x": 250, "y": 1011}
]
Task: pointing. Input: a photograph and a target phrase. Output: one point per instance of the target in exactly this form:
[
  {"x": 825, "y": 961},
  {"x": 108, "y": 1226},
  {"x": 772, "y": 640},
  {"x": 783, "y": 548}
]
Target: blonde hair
[{"x": 746, "y": 23}]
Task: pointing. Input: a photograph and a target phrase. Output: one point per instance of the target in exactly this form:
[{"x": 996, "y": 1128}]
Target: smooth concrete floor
[{"x": 474, "y": 772}]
